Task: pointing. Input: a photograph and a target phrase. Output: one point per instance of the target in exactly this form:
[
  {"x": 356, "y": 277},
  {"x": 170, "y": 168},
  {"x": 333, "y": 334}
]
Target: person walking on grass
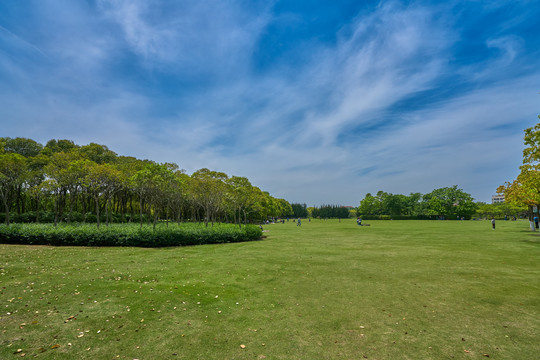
[
  {"x": 299, "y": 222},
  {"x": 493, "y": 223}
]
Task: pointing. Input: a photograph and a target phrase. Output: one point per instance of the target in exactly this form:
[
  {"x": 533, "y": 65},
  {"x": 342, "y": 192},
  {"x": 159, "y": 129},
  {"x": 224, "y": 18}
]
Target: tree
[
  {"x": 61, "y": 180},
  {"x": 22, "y": 146},
  {"x": 153, "y": 184},
  {"x": 34, "y": 179},
  {"x": 102, "y": 181},
  {"x": 54, "y": 146},
  {"x": 240, "y": 195},
  {"x": 100, "y": 154},
  {"x": 370, "y": 205},
  {"x": 299, "y": 210},
  {"x": 12, "y": 172},
  {"x": 525, "y": 189},
  {"x": 450, "y": 202},
  {"x": 208, "y": 190}
]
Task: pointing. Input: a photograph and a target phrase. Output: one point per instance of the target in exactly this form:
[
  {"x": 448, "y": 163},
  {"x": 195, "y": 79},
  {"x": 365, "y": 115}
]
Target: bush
[{"x": 126, "y": 234}]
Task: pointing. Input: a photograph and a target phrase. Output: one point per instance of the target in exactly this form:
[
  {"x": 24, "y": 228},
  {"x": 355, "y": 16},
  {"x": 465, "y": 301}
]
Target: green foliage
[
  {"x": 448, "y": 202},
  {"x": 525, "y": 189},
  {"x": 331, "y": 212},
  {"x": 299, "y": 210},
  {"x": 67, "y": 179},
  {"x": 500, "y": 210},
  {"x": 22, "y": 146},
  {"x": 126, "y": 235}
]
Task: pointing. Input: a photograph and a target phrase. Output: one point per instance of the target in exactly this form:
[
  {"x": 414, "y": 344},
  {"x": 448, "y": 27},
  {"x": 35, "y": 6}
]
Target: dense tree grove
[
  {"x": 330, "y": 211},
  {"x": 501, "y": 210},
  {"x": 448, "y": 202},
  {"x": 525, "y": 189},
  {"x": 65, "y": 182},
  {"x": 299, "y": 210}
]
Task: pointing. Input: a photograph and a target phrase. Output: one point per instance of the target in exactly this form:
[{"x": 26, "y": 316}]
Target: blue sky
[{"x": 314, "y": 101}]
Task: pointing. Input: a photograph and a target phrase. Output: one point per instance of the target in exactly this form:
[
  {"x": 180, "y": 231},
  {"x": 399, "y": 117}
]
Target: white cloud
[{"x": 189, "y": 36}]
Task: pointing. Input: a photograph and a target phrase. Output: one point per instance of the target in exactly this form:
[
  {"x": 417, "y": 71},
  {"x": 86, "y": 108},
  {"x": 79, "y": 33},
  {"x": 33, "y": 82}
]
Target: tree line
[
  {"x": 324, "y": 211},
  {"x": 78, "y": 183},
  {"x": 447, "y": 202}
]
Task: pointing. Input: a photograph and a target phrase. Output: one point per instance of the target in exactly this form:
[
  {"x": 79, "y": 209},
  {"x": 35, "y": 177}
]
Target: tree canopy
[
  {"x": 93, "y": 183},
  {"x": 448, "y": 202},
  {"x": 525, "y": 189}
]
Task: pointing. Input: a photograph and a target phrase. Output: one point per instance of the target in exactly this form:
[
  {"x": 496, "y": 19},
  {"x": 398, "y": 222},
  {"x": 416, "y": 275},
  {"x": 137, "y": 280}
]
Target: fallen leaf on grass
[
  {"x": 486, "y": 355},
  {"x": 55, "y": 346},
  {"x": 243, "y": 346}
]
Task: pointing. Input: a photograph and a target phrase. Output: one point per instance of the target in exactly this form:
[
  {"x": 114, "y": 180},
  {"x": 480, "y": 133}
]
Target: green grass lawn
[{"x": 325, "y": 290}]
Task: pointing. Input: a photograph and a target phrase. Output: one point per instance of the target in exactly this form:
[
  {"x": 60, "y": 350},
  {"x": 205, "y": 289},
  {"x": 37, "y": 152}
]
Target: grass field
[{"x": 325, "y": 290}]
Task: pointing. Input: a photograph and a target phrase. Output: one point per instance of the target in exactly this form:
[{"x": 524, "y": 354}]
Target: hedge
[{"x": 126, "y": 234}]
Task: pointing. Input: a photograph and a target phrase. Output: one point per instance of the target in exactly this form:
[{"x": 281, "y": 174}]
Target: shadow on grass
[{"x": 532, "y": 239}]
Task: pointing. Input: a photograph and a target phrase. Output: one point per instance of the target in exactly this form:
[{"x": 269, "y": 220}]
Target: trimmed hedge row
[{"x": 126, "y": 234}]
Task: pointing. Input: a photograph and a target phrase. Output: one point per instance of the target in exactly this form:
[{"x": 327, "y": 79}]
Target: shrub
[{"x": 126, "y": 234}]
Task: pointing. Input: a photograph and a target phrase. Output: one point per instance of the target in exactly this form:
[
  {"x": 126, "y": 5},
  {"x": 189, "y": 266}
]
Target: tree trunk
[
  {"x": 96, "y": 199},
  {"x": 141, "y": 211},
  {"x": 56, "y": 200},
  {"x": 107, "y": 211},
  {"x": 6, "y": 207},
  {"x": 37, "y": 209}
]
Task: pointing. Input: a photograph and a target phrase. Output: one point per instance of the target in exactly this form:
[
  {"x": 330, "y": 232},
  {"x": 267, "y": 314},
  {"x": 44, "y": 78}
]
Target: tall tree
[
  {"x": 208, "y": 191},
  {"x": 100, "y": 154},
  {"x": 12, "y": 174},
  {"x": 54, "y": 146},
  {"x": 450, "y": 202},
  {"x": 22, "y": 146},
  {"x": 525, "y": 189}
]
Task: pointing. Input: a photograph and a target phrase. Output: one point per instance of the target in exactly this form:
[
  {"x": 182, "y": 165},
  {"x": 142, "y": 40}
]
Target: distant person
[
  {"x": 536, "y": 221},
  {"x": 493, "y": 223},
  {"x": 359, "y": 221},
  {"x": 299, "y": 222}
]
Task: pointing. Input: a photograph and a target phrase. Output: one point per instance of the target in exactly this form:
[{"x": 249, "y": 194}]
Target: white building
[{"x": 497, "y": 199}]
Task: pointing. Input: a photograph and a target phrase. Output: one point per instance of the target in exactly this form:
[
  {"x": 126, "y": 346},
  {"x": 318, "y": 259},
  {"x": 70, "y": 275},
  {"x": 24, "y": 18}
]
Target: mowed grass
[{"x": 325, "y": 290}]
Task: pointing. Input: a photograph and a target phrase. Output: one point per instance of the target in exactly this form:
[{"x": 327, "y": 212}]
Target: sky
[{"x": 316, "y": 102}]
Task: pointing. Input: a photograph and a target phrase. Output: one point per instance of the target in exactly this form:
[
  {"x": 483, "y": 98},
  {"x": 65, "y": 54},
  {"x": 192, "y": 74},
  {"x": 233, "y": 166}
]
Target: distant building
[{"x": 497, "y": 199}]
